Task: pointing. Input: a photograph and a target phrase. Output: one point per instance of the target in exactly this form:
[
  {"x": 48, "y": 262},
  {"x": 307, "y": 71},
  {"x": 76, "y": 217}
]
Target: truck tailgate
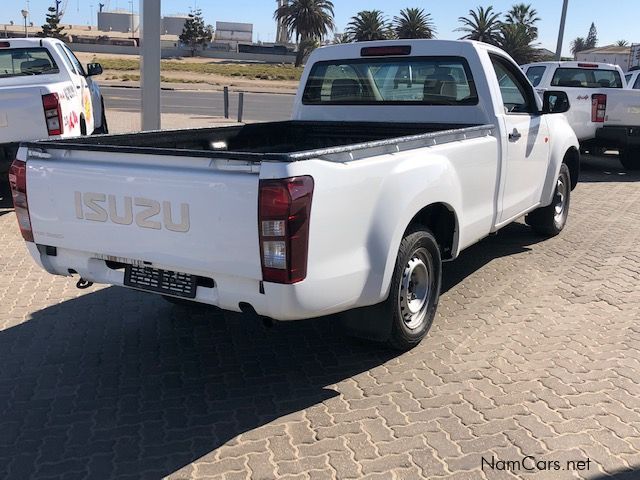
[
  {"x": 22, "y": 114},
  {"x": 623, "y": 108},
  {"x": 191, "y": 215}
]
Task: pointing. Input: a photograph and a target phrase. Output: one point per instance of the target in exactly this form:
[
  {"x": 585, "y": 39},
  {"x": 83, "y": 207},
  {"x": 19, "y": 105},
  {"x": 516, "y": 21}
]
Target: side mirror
[
  {"x": 555, "y": 102},
  {"x": 94, "y": 69}
]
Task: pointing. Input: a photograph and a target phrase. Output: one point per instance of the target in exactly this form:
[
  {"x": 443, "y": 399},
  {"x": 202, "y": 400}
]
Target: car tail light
[
  {"x": 52, "y": 113},
  {"x": 18, "y": 182},
  {"x": 588, "y": 65},
  {"x": 598, "y": 107},
  {"x": 284, "y": 209}
]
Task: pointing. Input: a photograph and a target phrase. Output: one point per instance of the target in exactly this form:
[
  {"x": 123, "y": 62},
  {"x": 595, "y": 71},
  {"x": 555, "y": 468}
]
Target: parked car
[
  {"x": 352, "y": 205},
  {"x": 633, "y": 79},
  {"x": 604, "y": 114},
  {"x": 45, "y": 92}
]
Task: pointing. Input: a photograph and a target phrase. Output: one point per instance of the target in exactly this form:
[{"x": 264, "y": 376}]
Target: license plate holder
[{"x": 160, "y": 281}]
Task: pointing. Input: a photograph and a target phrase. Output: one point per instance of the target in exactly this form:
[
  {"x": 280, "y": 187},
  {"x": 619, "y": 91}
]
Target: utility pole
[
  {"x": 25, "y": 14},
  {"x": 561, "y": 31}
]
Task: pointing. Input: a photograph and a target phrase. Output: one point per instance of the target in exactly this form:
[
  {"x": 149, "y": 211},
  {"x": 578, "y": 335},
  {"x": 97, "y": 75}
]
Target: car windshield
[
  {"x": 391, "y": 81},
  {"x": 18, "y": 62},
  {"x": 586, "y": 78}
]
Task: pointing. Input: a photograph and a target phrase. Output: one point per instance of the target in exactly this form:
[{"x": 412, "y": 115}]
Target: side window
[
  {"x": 636, "y": 86},
  {"x": 65, "y": 58},
  {"x": 535, "y": 74},
  {"x": 516, "y": 95},
  {"x": 75, "y": 61}
]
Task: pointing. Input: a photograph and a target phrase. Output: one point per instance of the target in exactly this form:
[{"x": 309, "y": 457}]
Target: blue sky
[{"x": 615, "y": 20}]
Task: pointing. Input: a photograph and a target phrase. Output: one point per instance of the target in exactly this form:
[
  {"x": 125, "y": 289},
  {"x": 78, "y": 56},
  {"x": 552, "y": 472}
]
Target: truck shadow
[
  {"x": 119, "y": 384},
  {"x": 605, "y": 168}
]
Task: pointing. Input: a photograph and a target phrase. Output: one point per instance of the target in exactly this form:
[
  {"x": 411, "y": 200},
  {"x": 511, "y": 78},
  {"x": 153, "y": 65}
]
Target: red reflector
[
  {"x": 18, "y": 183},
  {"x": 385, "y": 51},
  {"x": 588, "y": 65},
  {"x": 5, "y": 44},
  {"x": 598, "y": 107},
  {"x": 284, "y": 208}
]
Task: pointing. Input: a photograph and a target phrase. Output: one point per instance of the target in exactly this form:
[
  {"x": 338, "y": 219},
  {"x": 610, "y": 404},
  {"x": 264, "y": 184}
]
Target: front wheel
[
  {"x": 103, "y": 128},
  {"x": 550, "y": 220},
  {"x": 630, "y": 158}
]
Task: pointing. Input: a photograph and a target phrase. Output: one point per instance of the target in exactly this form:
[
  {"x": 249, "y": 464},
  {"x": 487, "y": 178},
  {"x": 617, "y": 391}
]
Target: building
[
  {"x": 233, "y": 33},
  {"x": 173, "y": 24},
  {"x": 118, "y": 21},
  {"x": 609, "y": 54}
]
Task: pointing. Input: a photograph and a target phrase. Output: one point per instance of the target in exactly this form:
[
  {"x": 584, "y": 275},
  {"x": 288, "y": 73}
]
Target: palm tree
[
  {"x": 341, "y": 38},
  {"x": 523, "y": 14},
  {"x": 622, "y": 43},
  {"x": 483, "y": 25},
  {"x": 414, "y": 23},
  {"x": 578, "y": 45},
  {"x": 516, "y": 40},
  {"x": 309, "y": 20},
  {"x": 369, "y": 25}
]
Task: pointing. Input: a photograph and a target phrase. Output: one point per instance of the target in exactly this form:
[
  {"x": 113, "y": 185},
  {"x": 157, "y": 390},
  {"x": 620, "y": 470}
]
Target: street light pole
[
  {"x": 25, "y": 14},
  {"x": 561, "y": 31}
]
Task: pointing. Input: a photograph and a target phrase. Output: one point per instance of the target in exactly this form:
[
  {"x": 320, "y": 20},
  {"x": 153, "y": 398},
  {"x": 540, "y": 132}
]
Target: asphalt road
[{"x": 257, "y": 106}]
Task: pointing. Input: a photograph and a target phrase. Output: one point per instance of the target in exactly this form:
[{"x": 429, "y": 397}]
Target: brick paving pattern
[{"x": 535, "y": 351}]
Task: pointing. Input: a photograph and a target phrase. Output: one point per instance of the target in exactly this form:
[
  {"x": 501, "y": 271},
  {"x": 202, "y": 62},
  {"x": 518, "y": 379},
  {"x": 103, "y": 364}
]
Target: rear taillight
[
  {"x": 52, "y": 113},
  {"x": 18, "y": 182},
  {"x": 598, "y": 107},
  {"x": 284, "y": 209}
]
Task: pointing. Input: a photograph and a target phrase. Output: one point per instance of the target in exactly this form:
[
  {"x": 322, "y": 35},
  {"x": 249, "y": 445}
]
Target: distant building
[
  {"x": 173, "y": 24},
  {"x": 233, "y": 33},
  {"x": 545, "y": 54},
  {"x": 609, "y": 54},
  {"x": 118, "y": 21}
]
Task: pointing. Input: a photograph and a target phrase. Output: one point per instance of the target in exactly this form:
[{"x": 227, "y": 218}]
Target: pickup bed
[{"x": 399, "y": 155}]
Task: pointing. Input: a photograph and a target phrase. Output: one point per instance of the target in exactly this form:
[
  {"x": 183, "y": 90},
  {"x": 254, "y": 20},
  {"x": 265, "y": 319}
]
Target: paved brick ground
[{"x": 535, "y": 351}]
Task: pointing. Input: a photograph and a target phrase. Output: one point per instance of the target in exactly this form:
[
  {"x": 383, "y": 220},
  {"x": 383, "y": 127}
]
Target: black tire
[
  {"x": 630, "y": 158},
  {"x": 83, "y": 127},
  {"x": 104, "y": 127},
  {"x": 385, "y": 322},
  {"x": 549, "y": 221},
  {"x": 419, "y": 254}
]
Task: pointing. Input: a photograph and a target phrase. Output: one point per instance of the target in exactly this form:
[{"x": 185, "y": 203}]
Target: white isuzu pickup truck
[
  {"x": 400, "y": 154},
  {"x": 45, "y": 93},
  {"x": 604, "y": 114}
]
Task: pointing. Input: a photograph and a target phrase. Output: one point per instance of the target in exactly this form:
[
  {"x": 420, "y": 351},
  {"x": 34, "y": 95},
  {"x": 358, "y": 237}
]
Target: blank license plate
[{"x": 160, "y": 281}]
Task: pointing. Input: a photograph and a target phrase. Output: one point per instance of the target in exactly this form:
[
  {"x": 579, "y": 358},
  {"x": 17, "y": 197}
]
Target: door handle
[
  {"x": 77, "y": 87},
  {"x": 515, "y": 135}
]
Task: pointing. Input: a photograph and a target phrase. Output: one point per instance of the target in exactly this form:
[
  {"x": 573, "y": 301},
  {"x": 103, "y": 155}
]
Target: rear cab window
[
  {"x": 391, "y": 81},
  {"x": 535, "y": 74},
  {"x": 17, "y": 62},
  {"x": 586, "y": 78}
]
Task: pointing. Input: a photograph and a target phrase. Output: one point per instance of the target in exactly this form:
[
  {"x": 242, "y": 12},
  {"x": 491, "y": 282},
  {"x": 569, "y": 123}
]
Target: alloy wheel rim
[{"x": 560, "y": 200}]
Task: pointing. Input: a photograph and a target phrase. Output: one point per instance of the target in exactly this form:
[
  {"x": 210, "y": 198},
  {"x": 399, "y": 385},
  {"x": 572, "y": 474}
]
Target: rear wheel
[
  {"x": 630, "y": 158},
  {"x": 550, "y": 220},
  {"x": 83, "y": 127},
  {"x": 415, "y": 288}
]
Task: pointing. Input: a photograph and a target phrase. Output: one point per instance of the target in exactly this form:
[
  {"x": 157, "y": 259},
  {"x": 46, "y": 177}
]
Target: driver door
[{"x": 526, "y": 149}]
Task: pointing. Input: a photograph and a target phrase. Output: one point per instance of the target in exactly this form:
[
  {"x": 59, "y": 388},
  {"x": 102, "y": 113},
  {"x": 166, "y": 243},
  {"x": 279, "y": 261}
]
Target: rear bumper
[
  {"x": 307, "y": 299},
  {"x": 618, "y": 136}
]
